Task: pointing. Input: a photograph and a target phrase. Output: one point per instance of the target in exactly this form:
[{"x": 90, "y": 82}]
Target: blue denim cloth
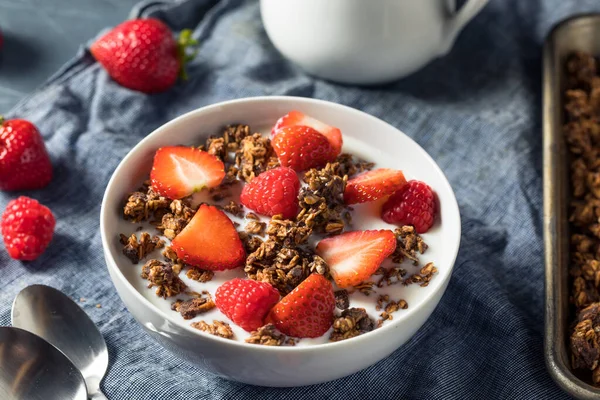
[{"x": 476, "y": 111}]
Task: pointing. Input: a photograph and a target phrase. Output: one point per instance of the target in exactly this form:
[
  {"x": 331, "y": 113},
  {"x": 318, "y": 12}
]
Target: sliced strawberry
[
  {"x": 354, "y": 256},
  {"x": 307, "y": 311},
  {"x": 373, "y": 185},
  {"x": 210, "y": 241},
  {"x": 179, "y": 171},
  {"x": 293, "y": 118},
  {"x": 301, "y": 148}
]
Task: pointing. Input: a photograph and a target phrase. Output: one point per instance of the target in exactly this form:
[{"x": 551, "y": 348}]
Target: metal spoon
[
  {"x": 33, "y": 369},
  {"x": 53, "y": 316}
]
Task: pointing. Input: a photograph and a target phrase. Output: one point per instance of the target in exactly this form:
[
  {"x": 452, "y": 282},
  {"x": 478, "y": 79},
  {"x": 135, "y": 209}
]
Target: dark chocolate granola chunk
[
  {"x": 254, "y": 155},
  {"x": 341, "y": 299},
  {"x": 234, "y": 208},
  {"x": 145, "y": 203},
  {"x": 321, "y": 201},
  {"x": 137, "y": 249},
  {"x": 173, "y": 222},
  {"x": 268, "y": 335},
  {"x": 348, "y": 165},
  {"x": 408, "y": 245},
  {"x": 164, "y": 277},
  {"x": 193, "y": 307},
  {"x": 199, "y": 275},
  {"x": 217, "y": 328},
  {"x": 352, "y": 322},
  {"x": 585, "y": 338},
  {"x": 282, "y": 266},
  {"x": 286, "y": 232},
  {"x": 389, "y": 307}
]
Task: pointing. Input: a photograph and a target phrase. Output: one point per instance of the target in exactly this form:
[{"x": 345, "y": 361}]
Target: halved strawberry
[
  {"x": 210, "y": 241},
  {"x": 354, "y": 256},
  {"x": 179, "y": 171},
  {"x": 301, "y": 148},
  {"x": 293, "y": 118},
  {"x": 373, "y": 185},
  {"x": 307, "y": 311}
]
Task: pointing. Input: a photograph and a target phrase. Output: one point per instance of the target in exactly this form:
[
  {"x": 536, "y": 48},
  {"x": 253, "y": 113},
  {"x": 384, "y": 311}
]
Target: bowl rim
[{"x": 112, "y": 264}]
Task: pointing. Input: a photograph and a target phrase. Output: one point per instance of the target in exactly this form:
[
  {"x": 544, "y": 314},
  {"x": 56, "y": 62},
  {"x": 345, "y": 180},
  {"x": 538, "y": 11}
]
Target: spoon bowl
[
  {"x": 53, "y": 316},
  {"x": 33, "y": 369}
]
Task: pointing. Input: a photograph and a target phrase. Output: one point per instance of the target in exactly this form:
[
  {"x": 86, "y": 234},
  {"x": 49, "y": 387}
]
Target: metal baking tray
[{"x": 581, "y": 32}]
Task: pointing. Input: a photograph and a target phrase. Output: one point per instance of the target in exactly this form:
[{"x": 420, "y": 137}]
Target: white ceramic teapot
[{"x": 364, "y": 41}]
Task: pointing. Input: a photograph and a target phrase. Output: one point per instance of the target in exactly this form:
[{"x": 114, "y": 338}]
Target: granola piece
[
  {"x": 253, "y": 156},
  {"x": 217, "y": 147},
  {"x": 200, "y": 275},
  {"x": 423, "y": 277},
  {"x": 577, "y": 104},
  {"x": 585, "y": 212},
  {"x": 251, "y": 243},
  {"x": 217, "y": 328},
  {"x": 346, "y": 165},
  {"x": 408, "y": 244},
  {"x": 341, "y": 299},
  {"x": 584, "y": 293},
  {"x": 389, "y": 306},
  {"x": 365, "y": 288},
  {"x": 581, "y": 70},
  {"x": 283, "y": 267},
  {"x": 193, "y": 307},
  {"x": 268, "y": 335},
  {"x": 143, "y": 203},
  {"x": 172, "y": 223},
  {"x": 391, "y": 276},
  {"x": 287, "y": 232},
  {"x": 256, "y": 228},
  {"x": 352, "y": 322},
  {"x": 234, "y": 209},
  {"x": 234, "y": 134},
  {"x": 136, "y": 250},
  {"x": 162, "y": 276},
  {"x": 585, "y": 346},
  {"x": 321, "y": 202}
]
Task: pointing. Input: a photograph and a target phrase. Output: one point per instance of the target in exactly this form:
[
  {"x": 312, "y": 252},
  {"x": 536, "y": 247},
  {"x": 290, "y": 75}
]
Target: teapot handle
[{"x": 457, "y": 20}]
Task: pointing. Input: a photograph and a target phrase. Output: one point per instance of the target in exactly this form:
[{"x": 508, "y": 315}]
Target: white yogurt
[{"x": 365, "y": 216}]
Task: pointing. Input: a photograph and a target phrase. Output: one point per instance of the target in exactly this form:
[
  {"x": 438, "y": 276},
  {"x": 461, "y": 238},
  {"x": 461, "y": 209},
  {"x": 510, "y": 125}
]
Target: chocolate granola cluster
[{"x": 582, "y": 134}]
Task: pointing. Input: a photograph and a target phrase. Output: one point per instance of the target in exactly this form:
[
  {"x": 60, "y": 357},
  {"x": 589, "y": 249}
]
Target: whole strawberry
[
  {"x": 141, "y": 54},
  {"x": 273, "y": 192},
  {"x": 24, "y": 161},
  {"x": 413, "y": 204},
  {"x": 307, "y": 311},
  {"x": 246, "y": 302},
  {"x": 27, "y": 228}
]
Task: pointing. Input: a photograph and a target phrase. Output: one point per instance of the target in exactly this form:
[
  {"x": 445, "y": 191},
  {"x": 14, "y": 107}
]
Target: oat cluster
[
  {"x": 582, "y": 134},
  {"x": 352, "y": 322},
  {"x": 268, "y": 335},
  {"x": 217, "y": 328}
]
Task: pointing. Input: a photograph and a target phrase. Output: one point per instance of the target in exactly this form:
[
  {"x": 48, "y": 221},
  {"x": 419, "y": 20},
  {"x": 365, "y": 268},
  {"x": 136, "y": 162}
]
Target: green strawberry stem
[
  {"x": 1, "y": 119},
  {"x": 186, "y": 50}
]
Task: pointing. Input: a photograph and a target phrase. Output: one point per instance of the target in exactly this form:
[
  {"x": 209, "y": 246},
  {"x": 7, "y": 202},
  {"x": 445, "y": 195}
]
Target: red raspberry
[
  {"x": 24, "y": 161},
  {"x": 413, "y": 204},
  {"x": 273, "y": 192},
  {"x": 246, "y": 302},
  {"x": 27, "y": 228}
]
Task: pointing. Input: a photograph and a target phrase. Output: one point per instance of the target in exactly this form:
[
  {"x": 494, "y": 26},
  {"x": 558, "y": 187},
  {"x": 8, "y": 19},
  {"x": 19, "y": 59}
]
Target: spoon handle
[{"x": 98, "y": 396}]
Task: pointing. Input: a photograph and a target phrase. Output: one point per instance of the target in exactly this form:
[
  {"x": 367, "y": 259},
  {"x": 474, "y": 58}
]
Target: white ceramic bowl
[{"x": 280, "y": 366}]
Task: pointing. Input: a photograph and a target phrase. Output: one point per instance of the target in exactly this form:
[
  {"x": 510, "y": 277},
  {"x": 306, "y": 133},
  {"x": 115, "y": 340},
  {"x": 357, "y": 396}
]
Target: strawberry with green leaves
[{"x": 142, "y": 55}]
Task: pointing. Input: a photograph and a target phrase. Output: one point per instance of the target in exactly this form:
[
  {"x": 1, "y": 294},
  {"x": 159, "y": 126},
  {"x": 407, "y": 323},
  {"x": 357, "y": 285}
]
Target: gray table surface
[{"x": 41, "y": 35}]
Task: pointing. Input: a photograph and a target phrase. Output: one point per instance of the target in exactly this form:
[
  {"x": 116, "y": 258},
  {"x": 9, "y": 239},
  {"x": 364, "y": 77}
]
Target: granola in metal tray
[
  {"x": 280, "y": 252},
  {"x": 582, "y": 135}
]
